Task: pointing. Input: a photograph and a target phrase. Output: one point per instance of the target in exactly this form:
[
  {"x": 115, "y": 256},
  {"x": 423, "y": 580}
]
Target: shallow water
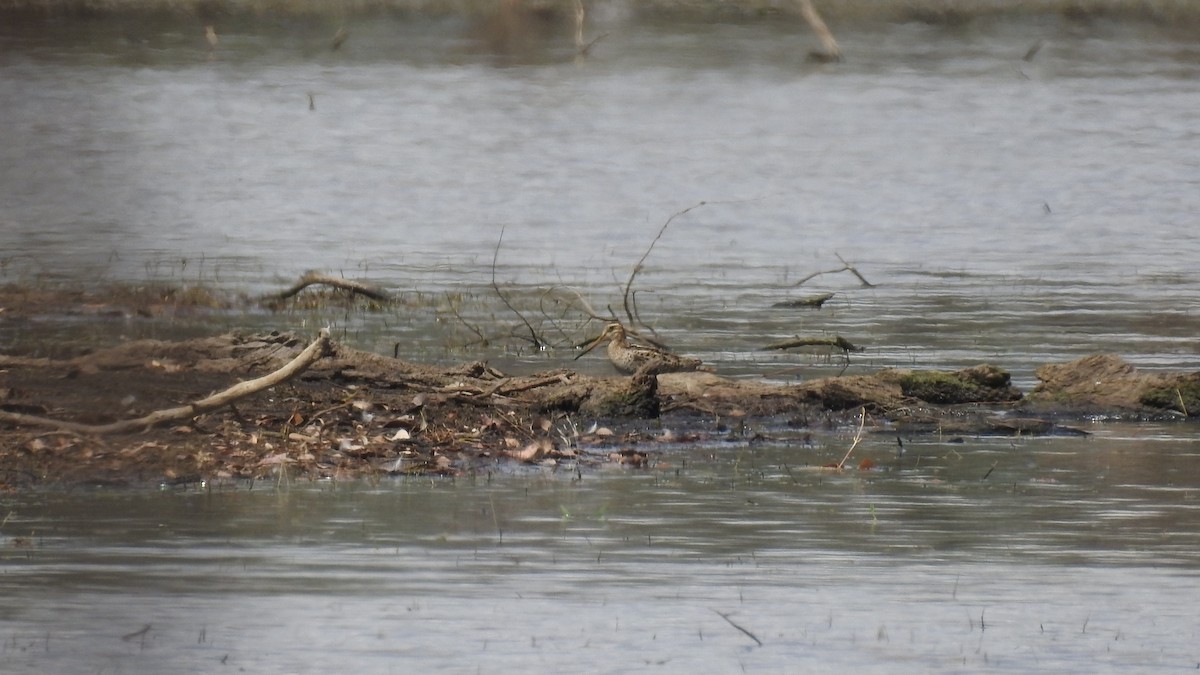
[
  {"x": 1047, "y": 555},
  {"x": 1007, "y": 211}
]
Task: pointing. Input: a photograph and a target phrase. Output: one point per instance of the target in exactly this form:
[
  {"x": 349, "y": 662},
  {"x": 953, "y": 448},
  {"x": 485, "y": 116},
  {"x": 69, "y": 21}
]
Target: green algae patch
[
  {"x": 980, "y": 384},
  {"x": 1181, "y": 394}
]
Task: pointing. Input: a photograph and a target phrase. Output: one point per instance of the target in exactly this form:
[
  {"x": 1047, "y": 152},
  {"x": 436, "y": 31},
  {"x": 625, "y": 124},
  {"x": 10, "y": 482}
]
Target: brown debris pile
[{"x": 352, "y": 414}]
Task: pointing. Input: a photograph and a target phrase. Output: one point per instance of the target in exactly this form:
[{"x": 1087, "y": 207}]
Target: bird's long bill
[{"x": 589, "y": 346}]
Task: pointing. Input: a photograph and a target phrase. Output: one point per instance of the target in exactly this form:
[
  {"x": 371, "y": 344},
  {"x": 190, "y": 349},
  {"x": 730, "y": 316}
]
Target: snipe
[{"x": 630, "y": 358}]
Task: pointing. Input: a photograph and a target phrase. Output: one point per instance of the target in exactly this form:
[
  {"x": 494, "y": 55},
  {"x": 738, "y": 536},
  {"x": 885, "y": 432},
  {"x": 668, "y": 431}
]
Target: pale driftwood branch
[
  {"x": 814, "y": 301},
  {"x": 862, "y": 421},
  {"x": 846, "y": 267},
  {"x": 829, "y": 46},
  {"x": 580, "y": 15},
  {"x": 314, "y": 278},
  {"x": 310, "y": 355},
  {"x": 837, "y": 341}
]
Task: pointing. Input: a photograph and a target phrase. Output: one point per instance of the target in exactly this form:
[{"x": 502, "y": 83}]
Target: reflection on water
[{"x": 1048, "y": 554}]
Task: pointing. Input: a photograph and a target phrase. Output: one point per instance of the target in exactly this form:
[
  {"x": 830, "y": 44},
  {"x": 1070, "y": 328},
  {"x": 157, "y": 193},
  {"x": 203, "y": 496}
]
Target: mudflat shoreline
[{"x": 353, "y": 414}]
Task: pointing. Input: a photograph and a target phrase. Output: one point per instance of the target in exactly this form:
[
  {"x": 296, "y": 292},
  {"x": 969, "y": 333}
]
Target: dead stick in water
[
  {"x": 137, "y": 633},
  {"x": 536, "y": 339},
  {"x": 990, "y": 470},
  {"x": 748, "y": 634},
  {"x": 846, "y": 267},
  {"x": 310, "y": 355}
]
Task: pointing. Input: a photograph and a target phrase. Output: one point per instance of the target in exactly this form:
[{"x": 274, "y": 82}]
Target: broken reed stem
[
  {"x": 862, "y": 421},
  {"x": 1182, "y": 405}
]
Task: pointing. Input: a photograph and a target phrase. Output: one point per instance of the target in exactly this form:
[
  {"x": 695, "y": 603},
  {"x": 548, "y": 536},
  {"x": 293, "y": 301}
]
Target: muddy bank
[{"x": 355, "y": 414}]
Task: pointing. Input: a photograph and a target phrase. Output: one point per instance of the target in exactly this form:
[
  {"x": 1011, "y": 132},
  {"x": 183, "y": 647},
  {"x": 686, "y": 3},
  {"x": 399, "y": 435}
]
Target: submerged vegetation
[{"x": 1182, "y": 395}]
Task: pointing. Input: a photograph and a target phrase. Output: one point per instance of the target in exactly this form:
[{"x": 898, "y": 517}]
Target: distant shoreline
[{"x": 929, "y": 11}]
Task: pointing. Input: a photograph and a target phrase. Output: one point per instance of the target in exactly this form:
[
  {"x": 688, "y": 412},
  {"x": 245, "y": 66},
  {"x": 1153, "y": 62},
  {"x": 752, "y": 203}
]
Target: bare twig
[
  {"x": 454, "y": 310},
  {"x": 850, "y": 268},
  {"x": 629, "y": 313},
  {"x": 533, "y": 336},
  {"x": 846, "y": 267},
  {"x": 637, "y": 316},
  {"x": 310, "y": 355}
]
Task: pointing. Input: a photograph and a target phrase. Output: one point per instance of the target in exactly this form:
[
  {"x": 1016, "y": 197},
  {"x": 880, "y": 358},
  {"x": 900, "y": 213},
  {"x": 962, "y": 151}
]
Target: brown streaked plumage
[{"x": 629, "y": 358}]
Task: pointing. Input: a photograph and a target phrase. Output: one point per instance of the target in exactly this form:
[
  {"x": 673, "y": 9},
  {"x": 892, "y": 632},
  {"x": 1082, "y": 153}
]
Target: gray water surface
[
  {"x": 1046, "y": 555},
  {"x": 1010, "y": 211}
]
